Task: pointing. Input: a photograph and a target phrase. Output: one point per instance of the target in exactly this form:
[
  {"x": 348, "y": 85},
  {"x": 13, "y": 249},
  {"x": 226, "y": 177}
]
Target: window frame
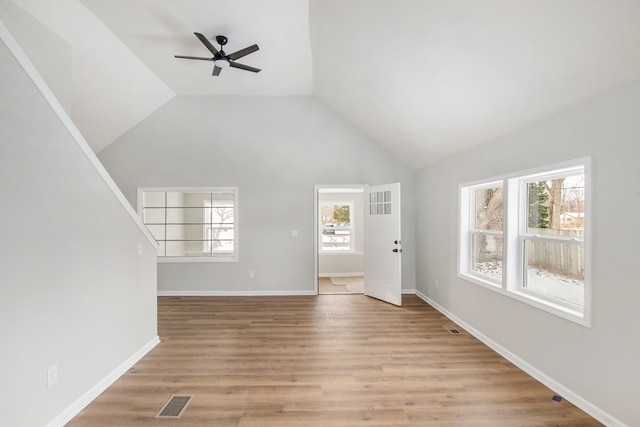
[
  {"x": 525, "y": 236},
  {"x": 515, "y": 235},
  {"x": 473, "y": 232},
  {"x": 224, "y": 256},
  {"x": 351, "y": 228}
]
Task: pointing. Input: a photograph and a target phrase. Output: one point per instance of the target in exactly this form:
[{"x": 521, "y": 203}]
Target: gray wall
[
  {"x": 274, "y": 149},
  {"x": 599, "y": 364},
  {"x": 75, "y": 292}
]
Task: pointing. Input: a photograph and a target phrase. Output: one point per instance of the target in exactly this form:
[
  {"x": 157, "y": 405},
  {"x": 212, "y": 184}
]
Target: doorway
[{"x": 339, "y": 242}]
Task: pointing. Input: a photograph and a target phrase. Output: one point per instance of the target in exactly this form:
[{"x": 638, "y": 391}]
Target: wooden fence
[{"x": 565, "y": 259}]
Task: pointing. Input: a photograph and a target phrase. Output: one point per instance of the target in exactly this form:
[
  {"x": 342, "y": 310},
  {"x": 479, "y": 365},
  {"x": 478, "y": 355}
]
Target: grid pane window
[{"x": 192, "y": 224}]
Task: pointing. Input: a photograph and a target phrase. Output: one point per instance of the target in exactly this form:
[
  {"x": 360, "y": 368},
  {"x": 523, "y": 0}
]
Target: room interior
[
  {"x": 341, "y": 244},
  {"x": 430, "y": 94}
]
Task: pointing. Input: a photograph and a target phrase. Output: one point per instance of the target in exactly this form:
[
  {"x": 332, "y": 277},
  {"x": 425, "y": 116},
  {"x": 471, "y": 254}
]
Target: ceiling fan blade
[
  {"x": 244, "y": 67},
  {"x": 208, "y": 44},
  {"x": 216, "y": 71},
  {"x": 243, "y": 52},
  {"x": 193, "y": 57}
]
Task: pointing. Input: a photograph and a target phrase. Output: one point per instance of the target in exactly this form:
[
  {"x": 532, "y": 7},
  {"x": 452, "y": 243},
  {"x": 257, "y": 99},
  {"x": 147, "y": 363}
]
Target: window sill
[
  {"x": 180, "y": 259},
  {"x": 548, "y": 306},
  {"x": 480, "y": 281},
  {"x": 529, "y": 299},
  {"x": 340, "y": 253}
]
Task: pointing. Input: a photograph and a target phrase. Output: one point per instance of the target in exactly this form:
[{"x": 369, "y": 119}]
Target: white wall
[
  {"x": 274, "y": 149},
  {"x": 50, "y": 54},
  {"x": 350, "y": 263},
  {"x": 75, "y": 293},
  {"x": 600, "y": 364}
]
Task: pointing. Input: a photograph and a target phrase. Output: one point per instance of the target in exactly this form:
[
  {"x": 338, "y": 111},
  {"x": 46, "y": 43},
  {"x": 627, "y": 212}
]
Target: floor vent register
[{"x": 175, "y": 407}]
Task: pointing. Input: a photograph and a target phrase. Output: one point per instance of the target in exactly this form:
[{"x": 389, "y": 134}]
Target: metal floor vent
[
  {"x": 452, "y": 330},
  {"x": 175, "y": 406}
]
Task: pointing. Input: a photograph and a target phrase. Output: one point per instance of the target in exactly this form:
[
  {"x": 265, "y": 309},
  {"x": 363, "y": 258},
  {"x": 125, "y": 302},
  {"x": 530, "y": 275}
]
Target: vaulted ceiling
[{"x": 424, "y": 78}]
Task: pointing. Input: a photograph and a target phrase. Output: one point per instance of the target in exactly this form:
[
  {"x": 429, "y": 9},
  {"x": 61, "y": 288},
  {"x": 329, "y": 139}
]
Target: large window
[
  {"x": 336, "y": 227},
  {"x": 524, "y": 235},
  {"x": 198, "y": 224}
]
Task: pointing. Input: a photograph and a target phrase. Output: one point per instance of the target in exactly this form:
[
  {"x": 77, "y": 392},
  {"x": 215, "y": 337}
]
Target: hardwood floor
[
  {"x": 331, "y": 360},
  {"x": 340, "y": 285}
]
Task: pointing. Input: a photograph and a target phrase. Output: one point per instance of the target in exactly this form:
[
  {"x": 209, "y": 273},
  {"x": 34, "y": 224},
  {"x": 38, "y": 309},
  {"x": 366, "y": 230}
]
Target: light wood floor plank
[{"x": 331, "y": 360}]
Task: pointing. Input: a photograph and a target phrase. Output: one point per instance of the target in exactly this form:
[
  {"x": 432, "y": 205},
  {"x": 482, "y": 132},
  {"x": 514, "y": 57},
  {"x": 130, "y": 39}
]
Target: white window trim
[
  {"x": 512, "y": 273},
  {"x": 524, "y": 235},
  {"x": 467, "y": 203},
  {"x": 352, "y": 228},
  {"x": 233, "y": 257}
]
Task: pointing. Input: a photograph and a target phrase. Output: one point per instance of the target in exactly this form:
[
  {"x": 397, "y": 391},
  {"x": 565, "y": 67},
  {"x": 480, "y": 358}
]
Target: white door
[{"x": 383, "y": 245}]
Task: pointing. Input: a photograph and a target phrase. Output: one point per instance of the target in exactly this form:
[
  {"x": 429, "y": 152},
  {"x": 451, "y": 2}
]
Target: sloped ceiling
[
  {"x": 103, "y": 86},
  {"x": 424, "y": 78},
  {"x": 429, "y": 78}
]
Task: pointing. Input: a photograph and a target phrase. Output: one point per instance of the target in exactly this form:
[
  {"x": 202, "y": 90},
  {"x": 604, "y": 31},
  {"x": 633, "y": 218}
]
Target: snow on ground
[{"x": 543, "y": 282}]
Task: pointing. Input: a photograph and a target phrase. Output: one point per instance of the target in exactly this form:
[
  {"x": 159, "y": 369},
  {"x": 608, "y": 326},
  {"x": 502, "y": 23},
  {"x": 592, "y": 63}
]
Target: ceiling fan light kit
[{"x": 220, "y": 58}]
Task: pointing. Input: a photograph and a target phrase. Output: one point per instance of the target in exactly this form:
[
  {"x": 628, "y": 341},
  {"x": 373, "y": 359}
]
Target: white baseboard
[
  {"x": 95, "y": 391},
  {"x": 558, "y": 388},
  {"x": 356, "y": 274},
  {"x": 233, "y": 293},
  {"x": 247, "y": 293}
]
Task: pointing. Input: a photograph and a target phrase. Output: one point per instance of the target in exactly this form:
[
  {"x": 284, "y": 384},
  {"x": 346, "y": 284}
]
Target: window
[
  {"x": 486, "y": 232},
  {"x": 380, "y": 203},
  {"x": 551, "y": 238},
  {"x": 191, "y": 224},
  {"x": 336, "y": 227},
  {"x": 524, "y": 235}
]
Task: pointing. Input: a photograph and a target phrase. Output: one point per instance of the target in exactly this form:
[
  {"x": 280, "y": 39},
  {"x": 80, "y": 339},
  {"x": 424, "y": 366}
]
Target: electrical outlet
[
  {"x": 251, "y": 275},
  {"x": 139, "y": 248},
  {"x": 437, "y": 285},
  {"x": 52, "y": 375}
]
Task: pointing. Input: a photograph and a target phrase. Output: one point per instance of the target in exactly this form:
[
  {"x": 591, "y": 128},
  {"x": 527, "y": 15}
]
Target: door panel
[{"x": 383, "y": 244}]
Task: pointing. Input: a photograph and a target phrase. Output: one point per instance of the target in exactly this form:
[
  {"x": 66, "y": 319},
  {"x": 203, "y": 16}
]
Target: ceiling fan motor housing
[{"x": 222, "y": 40}]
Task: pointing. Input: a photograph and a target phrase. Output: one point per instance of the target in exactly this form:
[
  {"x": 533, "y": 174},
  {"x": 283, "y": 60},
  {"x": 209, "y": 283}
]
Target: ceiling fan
[{"x": 220, "y": 58}]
